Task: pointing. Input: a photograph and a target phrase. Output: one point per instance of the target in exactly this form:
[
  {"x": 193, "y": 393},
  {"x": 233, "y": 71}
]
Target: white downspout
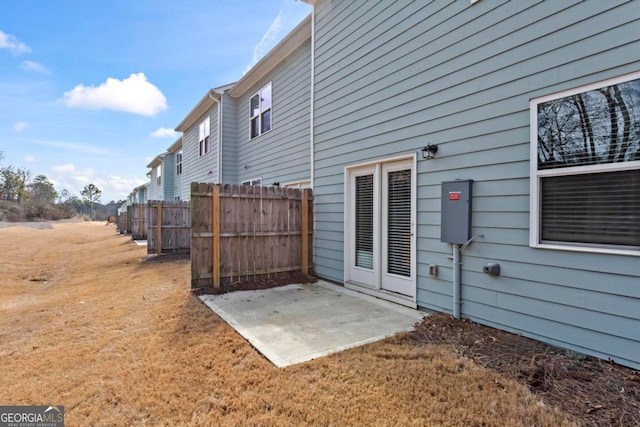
[{"x": 219, "y": 134}]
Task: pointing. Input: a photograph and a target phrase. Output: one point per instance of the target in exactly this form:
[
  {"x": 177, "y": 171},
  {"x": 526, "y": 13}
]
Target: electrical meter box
[{"x": 456, "y": 212}]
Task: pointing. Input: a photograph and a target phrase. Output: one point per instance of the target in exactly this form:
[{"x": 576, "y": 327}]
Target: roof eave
[
  {"x": 156, "y": 161},
  {"x": 205, "y": 104},
  {"x": 175, "y": 146}
]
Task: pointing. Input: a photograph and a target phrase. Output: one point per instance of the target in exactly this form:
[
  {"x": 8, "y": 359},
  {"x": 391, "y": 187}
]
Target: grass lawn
[{"x": 85, "y": 324}]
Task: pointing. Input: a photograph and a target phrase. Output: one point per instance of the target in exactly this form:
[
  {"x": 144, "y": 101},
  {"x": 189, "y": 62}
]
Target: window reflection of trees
[{"x": 594, "y": 127}]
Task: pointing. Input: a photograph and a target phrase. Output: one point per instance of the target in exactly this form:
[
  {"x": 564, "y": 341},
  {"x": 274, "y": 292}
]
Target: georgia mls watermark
[{"x": 31, "y": 416}]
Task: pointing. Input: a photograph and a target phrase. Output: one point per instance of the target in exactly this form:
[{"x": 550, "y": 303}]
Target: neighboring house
[
  {"x": 140, "y": 193},
  {"x": 539, "y": 104},
  {"x": 268, "y": 125},
  {"x": 157, "y": 184},
  {"x": 179, "y": 191},
  {"x": 255, "y": 131}
]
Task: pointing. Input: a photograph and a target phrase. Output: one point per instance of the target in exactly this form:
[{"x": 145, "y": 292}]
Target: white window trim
[
  {"x": 536, "y": 175},
  {"x": 179, "y": 164},
  {"x": 253, "y": 181},
  {"x": 205, "y": 133},
  {"x": 305, "y": 183},
  {"x": 159, "y": 175},
  {"x": 260, "y": 111}
]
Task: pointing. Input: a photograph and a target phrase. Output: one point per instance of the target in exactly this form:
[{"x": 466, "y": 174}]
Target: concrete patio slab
[{"x": 297, "y": 323}]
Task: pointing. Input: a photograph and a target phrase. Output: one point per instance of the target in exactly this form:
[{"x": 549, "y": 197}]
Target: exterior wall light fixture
[{"x": 429, "y": 152}]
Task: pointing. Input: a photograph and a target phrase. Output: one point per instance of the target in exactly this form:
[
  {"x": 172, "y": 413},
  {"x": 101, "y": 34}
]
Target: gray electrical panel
[{"x": 456, "y": 212}]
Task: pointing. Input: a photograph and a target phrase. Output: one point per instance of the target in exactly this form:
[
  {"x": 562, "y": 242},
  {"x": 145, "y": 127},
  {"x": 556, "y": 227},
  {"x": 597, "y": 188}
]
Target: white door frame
[{"x": 367, "y": 281}]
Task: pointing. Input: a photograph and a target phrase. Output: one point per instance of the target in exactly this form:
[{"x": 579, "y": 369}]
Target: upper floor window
[
  {"x": 179, "y": 163},
  {"x": 585, "y": 161},
  {"x": 159, "y": 175},
  {"x": 203, "y": 137},
  {"x": 261, "y": 112},
  {"x": 254, "y": 181}
]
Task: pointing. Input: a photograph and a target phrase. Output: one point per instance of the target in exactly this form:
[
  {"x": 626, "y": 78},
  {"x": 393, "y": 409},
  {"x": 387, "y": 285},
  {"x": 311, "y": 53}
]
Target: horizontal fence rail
[
  {"x": 169, "y": 227},
  {"x": 245, "y": 233},
  {"x": 139, "y": 221}
]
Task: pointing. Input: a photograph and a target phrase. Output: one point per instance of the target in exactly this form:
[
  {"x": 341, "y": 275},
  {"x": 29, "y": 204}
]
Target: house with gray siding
[
  {"x": 269, "y": 122},
  {"x": 255, "y": 131},
  {"x": 156, "y": 186},
  {"x": 179, "y": 190},
  {"x": 482, "y": 158}
]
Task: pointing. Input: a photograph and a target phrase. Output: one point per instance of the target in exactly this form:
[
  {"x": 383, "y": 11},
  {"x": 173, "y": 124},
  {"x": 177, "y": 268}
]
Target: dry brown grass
[{"x": 85, "y": 324}]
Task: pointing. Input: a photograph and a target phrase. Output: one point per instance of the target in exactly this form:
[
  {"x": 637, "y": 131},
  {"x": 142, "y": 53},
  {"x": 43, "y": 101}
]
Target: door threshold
[{"x": 407, "y": 301}]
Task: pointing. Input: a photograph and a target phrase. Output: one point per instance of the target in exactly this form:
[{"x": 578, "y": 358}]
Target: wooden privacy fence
[
  {"x": 169, "y": 227},
  {"x": 139, "y": 221},
  {"x": 243, "y": 233},
  {"x": 122, "y": 222}
]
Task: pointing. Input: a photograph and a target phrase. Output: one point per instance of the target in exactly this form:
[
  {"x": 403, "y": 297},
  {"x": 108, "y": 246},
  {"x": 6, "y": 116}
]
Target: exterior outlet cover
[
  {"x": 491, "y": 268},
  {"x": 433, "y": 270}
]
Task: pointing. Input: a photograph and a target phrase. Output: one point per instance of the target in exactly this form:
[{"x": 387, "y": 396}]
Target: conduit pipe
[
  {"x": 457, "y": 268},
  {"x": 456, "y": 281}
]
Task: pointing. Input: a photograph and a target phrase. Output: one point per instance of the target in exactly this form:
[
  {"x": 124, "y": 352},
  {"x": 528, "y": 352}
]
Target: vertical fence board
[
  {"x": 246, "y": 233},
  {"x": 169, "y": 227}
]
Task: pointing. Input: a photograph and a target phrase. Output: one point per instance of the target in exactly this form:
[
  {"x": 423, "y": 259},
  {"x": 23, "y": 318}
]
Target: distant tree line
[{"x": 25, "y": 199}]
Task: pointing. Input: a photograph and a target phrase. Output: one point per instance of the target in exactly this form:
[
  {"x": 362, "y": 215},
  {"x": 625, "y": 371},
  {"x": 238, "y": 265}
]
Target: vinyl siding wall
[
  {"x": 392, "y": 77},
  {"x": 229, "y": 140},
  {"x": 168, "y": 175},
  {"x": 195, "y": 168},
  {"x": 281, "y": 155},
  {"x": 155, "y": 190}
]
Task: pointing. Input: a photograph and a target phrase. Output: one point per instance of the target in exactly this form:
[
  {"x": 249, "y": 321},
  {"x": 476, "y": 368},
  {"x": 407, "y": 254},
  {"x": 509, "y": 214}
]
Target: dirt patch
[
  {"x": 594, "y": 391},
  {"x": 282, "y": 279}
]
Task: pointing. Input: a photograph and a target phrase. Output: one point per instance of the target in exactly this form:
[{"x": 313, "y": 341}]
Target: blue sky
[{"x": 91, "y": 91}]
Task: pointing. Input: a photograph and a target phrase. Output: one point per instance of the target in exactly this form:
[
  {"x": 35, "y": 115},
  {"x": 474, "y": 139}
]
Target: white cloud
[
  {"x": 20, "y": 126},
  {"x": 74, "y": 180},
  {"x": 36, "y": 67},
  {"x": 134, "y": 94},
  {"x": 66, "y": 168},
  {"x": 74, "y": 147},
  {"x": 29, "y": 159},
  {"x": 7, "y": 41},
  {"x": 163, "y": 133}
]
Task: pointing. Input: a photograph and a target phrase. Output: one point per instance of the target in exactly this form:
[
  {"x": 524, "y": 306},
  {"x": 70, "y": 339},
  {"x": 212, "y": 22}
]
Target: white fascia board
[{"x": 205, "y": 104}]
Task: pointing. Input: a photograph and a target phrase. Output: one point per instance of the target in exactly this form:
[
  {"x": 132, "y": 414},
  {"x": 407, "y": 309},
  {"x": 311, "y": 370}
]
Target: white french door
[{"x": 381, "y": 216}]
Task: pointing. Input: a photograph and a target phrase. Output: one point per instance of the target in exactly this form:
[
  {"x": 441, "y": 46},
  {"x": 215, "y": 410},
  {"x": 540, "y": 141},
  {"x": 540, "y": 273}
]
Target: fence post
[
  {"x": 141, "y": 232},
  {"x": 305, "y": 232},
  {"x": 159, "y": 229},
  {"x": 215, "y": 210}
]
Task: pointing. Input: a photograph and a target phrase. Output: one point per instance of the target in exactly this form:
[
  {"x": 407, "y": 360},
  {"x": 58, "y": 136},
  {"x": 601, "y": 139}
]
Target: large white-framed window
[
  {"x": 203, "y": 137},
  {"x": 260, "y": 111},
  {"x": 585, "y": 168},
  {"x": 253, "y": 181},
  {"x": 159, "y": 175},
  {"x": 179, "y": 163}
]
